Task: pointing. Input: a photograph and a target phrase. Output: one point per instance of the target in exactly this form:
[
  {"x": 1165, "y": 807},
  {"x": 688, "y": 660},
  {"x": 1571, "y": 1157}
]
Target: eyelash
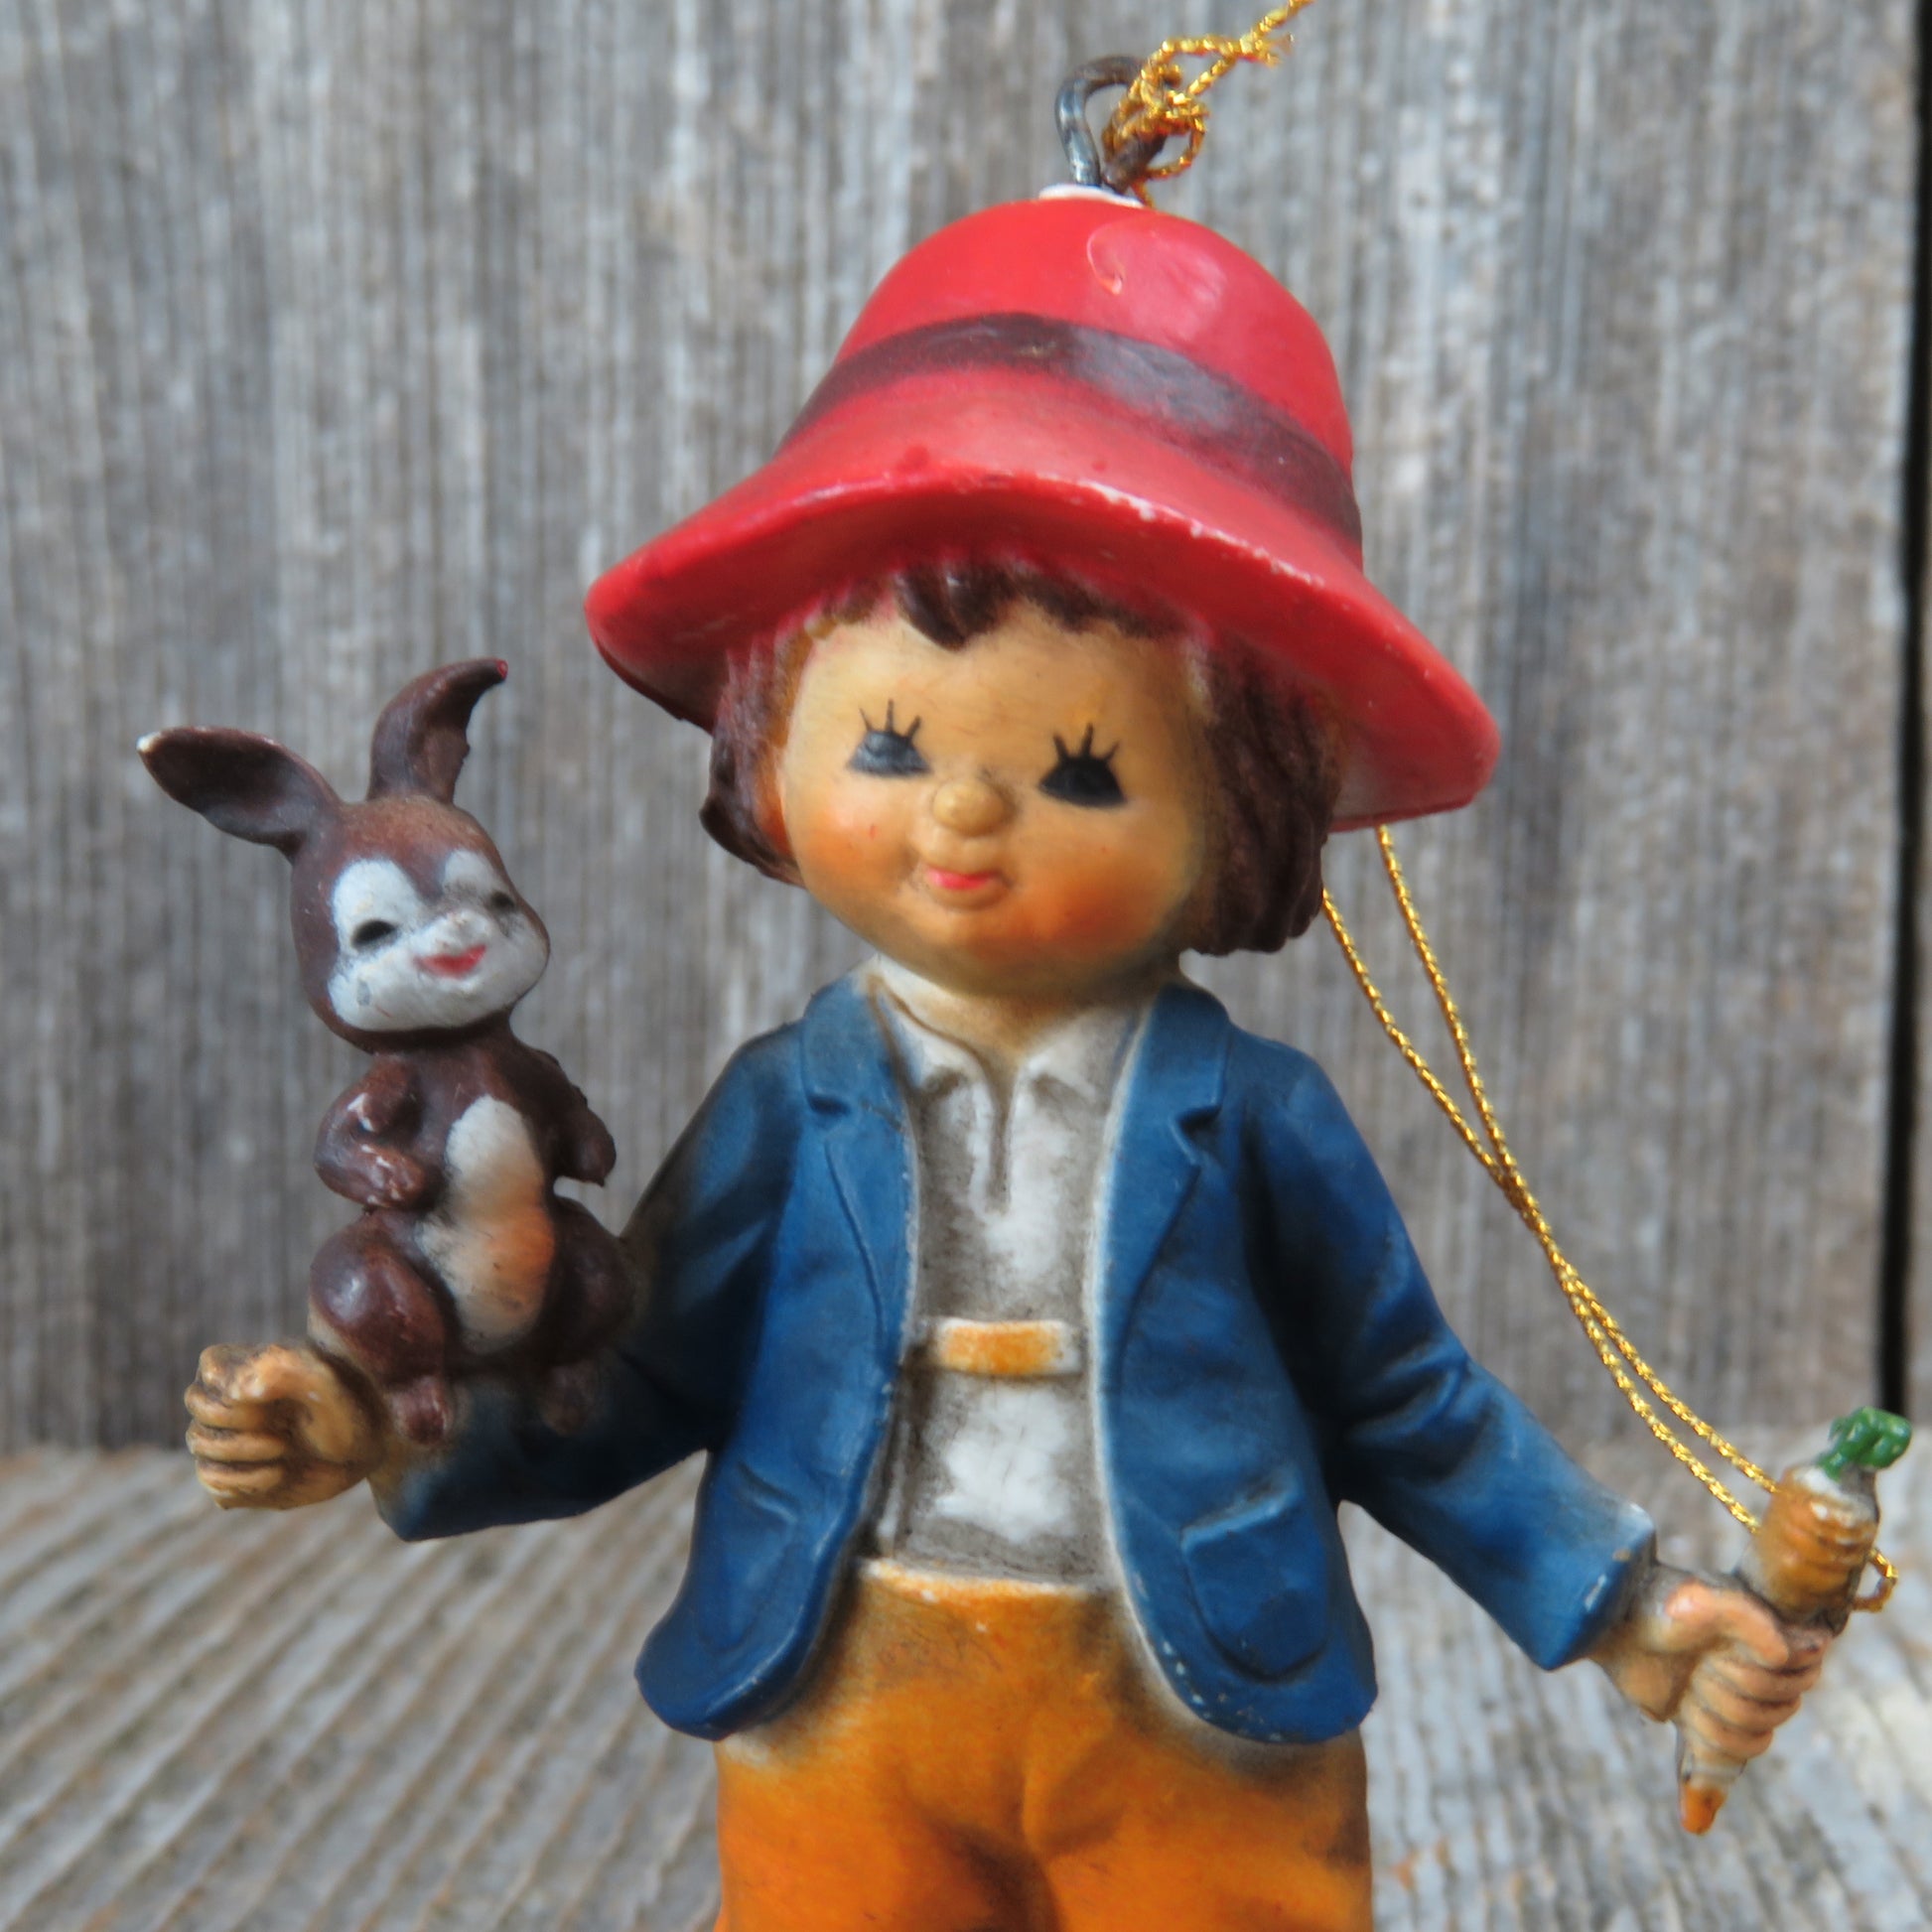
[
  {"x": 886, "y": 752},
  {"x": 1083, "y": 776}
]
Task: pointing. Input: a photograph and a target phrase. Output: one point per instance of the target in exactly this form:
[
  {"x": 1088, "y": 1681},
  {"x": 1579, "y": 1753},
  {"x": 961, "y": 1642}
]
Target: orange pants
[{"x": 991, "y": 1757}]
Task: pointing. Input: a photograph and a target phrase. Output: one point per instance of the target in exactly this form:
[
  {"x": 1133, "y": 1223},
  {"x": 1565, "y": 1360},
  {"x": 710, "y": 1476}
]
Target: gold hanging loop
[
  {"x": 1614, "y": 1349},
  {"x": 1162, "y": 102}
]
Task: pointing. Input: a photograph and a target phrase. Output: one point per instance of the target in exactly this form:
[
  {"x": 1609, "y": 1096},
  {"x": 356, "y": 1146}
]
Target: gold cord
[
  {"x": 1161, "y": 102},
  {"x": 1614, "y": 1347}
]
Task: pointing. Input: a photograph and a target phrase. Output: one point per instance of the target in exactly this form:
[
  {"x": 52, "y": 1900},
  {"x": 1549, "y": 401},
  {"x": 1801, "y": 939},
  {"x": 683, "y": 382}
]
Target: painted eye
[
  {"x": 502, "y": 904},
  {"x": 371, "y": 932},
  {"x": 1083, "y": 776},
  {"x": 886, "y": 752}
]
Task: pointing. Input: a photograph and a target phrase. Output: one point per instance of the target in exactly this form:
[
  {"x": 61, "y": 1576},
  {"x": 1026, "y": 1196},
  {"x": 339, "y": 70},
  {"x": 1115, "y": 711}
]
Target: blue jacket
[{"x": 1268, "y": 1347}]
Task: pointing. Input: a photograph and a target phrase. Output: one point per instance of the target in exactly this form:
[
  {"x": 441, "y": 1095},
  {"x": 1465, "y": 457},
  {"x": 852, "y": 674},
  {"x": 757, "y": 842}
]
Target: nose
[
  {"x": 463, "y": 924},
  {"x": 972, "y": 807}
]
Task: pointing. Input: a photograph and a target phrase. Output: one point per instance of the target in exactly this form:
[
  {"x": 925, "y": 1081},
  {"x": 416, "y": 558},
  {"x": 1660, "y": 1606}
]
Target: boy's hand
[
  {"x": 278, "y": 1426},
  {"x": 1707, "y": 1654}
]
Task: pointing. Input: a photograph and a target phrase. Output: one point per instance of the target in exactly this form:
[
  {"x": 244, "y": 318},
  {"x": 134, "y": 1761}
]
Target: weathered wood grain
[
  {"x": 296, "y": 1725},
  {"x": 336, "y": 338},
  {"x": 1915, "y": 1290}
]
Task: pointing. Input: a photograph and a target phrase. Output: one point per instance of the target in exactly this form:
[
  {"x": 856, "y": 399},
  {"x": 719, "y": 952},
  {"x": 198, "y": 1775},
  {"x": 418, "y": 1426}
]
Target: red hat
[{"x": 1077, "y": 382}]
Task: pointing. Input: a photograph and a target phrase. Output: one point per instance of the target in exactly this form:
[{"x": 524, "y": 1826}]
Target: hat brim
[{"x": 1027, "y": 469}]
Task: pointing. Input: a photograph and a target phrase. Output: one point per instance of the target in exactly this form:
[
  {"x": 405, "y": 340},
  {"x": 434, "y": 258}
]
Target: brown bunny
[{"x": 414, "y": 946}]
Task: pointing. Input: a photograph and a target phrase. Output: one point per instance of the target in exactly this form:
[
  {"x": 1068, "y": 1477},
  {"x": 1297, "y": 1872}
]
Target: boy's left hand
[{"x": 1706, "y": 1653}]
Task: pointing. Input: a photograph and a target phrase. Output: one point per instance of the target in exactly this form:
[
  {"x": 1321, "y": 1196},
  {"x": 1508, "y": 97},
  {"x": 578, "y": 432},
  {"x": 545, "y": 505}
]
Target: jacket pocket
[{"x": 1259, "y": 1573}]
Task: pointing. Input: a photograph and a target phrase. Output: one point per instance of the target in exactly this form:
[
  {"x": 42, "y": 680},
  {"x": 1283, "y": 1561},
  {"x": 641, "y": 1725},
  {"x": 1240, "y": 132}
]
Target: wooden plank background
[{"x": 341, "y": 337}]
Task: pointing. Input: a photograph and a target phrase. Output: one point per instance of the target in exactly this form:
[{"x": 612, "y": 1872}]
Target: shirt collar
[{"x": 1082, "y": 1054}]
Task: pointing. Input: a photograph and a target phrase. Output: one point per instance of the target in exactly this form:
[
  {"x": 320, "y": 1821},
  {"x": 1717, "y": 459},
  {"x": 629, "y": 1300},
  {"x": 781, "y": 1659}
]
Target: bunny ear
[
  {"x": 242, "y": 782},
  {"x": 420, "y": 740}
]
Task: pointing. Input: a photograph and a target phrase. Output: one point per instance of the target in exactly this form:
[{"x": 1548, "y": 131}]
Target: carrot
[{"x": 1805, "y": 1562}]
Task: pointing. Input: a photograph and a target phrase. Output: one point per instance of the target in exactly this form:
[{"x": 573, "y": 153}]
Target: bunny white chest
[{"x": 491, "y": 1235}]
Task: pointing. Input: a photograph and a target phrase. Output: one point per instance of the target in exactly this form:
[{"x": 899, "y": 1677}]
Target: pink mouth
[
  {"x": 454, "y": 965},
  {"x": 963, "y": 883}
]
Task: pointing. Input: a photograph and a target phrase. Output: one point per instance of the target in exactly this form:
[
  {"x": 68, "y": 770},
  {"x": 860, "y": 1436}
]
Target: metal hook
[{"x": 1119, "y": 172}]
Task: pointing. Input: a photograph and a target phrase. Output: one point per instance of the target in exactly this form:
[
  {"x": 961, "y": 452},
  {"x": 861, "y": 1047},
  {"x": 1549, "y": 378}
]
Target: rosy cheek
[
  {"x": 1096, "y": 910},
  {"x": 842, "y": 850},
  {"x": 835, "y": 871}
]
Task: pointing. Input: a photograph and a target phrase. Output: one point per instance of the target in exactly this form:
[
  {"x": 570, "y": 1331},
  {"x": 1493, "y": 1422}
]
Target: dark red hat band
[{"x": 1215, "y": 421}]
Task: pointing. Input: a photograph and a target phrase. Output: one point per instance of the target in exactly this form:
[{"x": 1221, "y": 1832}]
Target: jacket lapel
[
  {"x": 1177, "y": 1080},
  {"x": 850, "y": 1083}
]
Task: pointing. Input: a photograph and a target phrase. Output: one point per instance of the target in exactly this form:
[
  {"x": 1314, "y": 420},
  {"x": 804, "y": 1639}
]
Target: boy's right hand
[{"x": 278, "y": 1425}]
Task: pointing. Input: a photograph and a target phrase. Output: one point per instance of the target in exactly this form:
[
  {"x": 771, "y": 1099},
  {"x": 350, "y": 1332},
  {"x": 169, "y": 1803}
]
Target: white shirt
[{"x": 994, "y": 1460}]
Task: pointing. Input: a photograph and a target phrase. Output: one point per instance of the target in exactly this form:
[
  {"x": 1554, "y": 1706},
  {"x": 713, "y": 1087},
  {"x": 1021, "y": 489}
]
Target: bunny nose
[
  {"x": 971, "y": 807},
  {"x": 461, "y": 927}
]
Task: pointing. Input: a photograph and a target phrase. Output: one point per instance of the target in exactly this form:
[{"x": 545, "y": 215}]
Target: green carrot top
[{"x": 1871, "y": 1439}]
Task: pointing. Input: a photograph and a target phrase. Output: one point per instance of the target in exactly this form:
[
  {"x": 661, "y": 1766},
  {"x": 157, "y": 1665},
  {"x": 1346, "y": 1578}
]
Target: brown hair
[{"x": 1271, "y": 762}]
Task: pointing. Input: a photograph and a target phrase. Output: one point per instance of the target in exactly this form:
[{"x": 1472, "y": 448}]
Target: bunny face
[
  {"x": 416, "y": 940},
  {"x": 405, "y": 920}
]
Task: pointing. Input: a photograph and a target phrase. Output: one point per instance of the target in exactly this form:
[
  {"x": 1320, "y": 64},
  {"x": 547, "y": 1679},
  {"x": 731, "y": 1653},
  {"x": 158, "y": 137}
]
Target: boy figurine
[{"x": 1033, "y": 1317}]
